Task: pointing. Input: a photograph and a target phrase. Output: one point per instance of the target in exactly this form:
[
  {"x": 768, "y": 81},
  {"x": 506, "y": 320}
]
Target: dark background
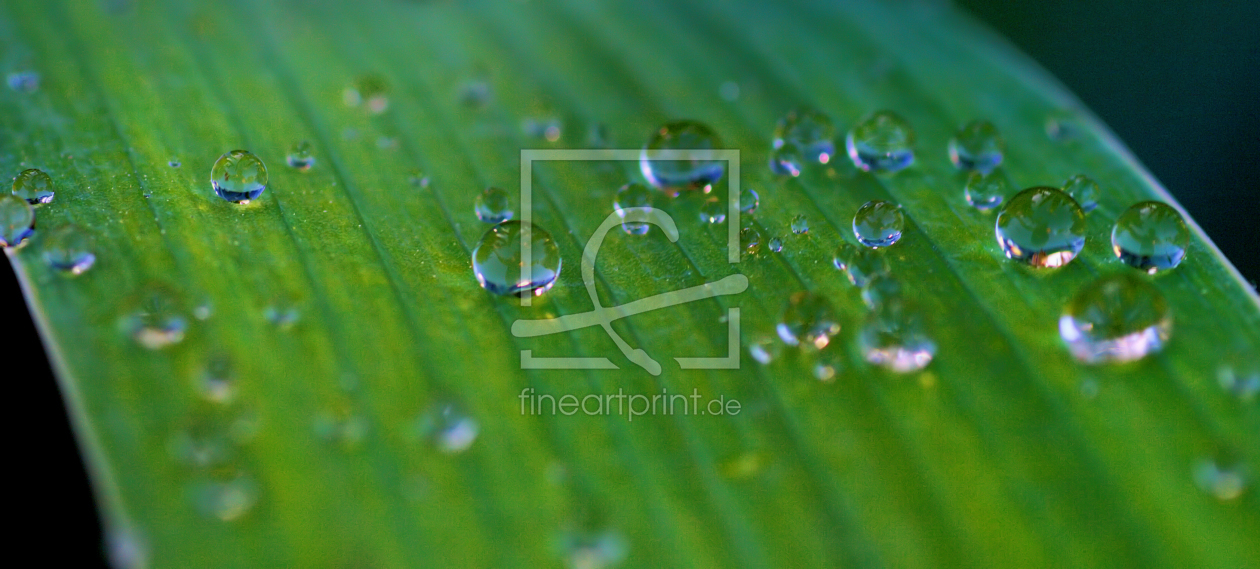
[{"x": 1176, "y": 80}]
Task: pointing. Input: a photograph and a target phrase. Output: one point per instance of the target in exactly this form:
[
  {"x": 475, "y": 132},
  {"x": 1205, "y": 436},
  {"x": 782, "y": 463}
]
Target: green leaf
[{"x": 343, "y": 305}]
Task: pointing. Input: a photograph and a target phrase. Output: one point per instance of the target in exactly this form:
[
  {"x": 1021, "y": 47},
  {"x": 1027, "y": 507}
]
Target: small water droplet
[
  {"x": 800, "y": 224},
  {"x": 217, "y": 381},
  {"x": 1062, "y": 128},
  {"x": 631, "y": 196},
  {"x": 301, "y": 156},
  {"x": 808, "y": 321},
  {"x": 881, "y": 142},
  {"x": 23, "y": 81},
  {"x": 748, "y": 201},
  {"x": 776, "y": 244},
  {"x": 343, "y": 427},
  {"x": 448, "y": 428},
  {"x": 1240, "y": 377},
  {"x": 493, "y": 205},
  {"x": 418, "y": 178},
  {"x": 878, "y": 223},
  {"x": 34, "y": 186},
  {"x": 985, "y": 191},
  {"x": 475, "y": 93},
  {"x": 1150, "y": 236},
  {"x": 786, "y": 160},
  {"x": 750, "y": 239},
  {"x": 880, "y": 289},
  {"x": 1118, "y": 318},
  {"x": 977, "y": 146},
  {"x": 127, "y": 548},
  {"x": 729, "y": 91},
  {"x": 497, "y": 261},
  {"x": 226, "y": 500},
  {"x": 203, "y": 311},
  {"x": 829, "y": 363},
  {"x": 174, "y": 163},
  {"x": 1084, "y": 190},
  {"x": 764, "y": 349},
  {"x": 675, "y": 175},
  {"x": 713, "y": 211},
  {"x": 70, "y": 249},
  {"x": 1225, "y": 481},
  {"x": 1042, "y": 227},
  {"x": 810, "y": 131},
  {"x": 155, "y": 321},
  {"x": 861, "y": 264},
  {"x": 282, "y": 315},
  {"x": 894, "y": 337},
  {"x": 238, "y": 176},
  {"x": 596, "y": 550},
  {"x": 17, "y": 220},
  {"x": 369, "y": 90},
  {"x": 548, "y": 128}
]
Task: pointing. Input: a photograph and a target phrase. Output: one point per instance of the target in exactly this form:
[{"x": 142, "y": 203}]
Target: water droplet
[
  {"x": 1084, "y": 190},
  {"x": 301, "y": 156},
  {"x": 370, "y": 90},
  {"x": 343, "y": 427},
  {"x": 217, "y": 381},
  {"x": 880, "y": 289},
  {"x": 203, "y": 443},
  {"x": 729, "y": 91},
  {"x": 34, "y": 186},
  {"x": 225, "y": 500},
  {"x": 1150, "y": 236},
  {"x": 786, "y": 160},
  {"x": 764, "y": 349},
  {"x": 17, "y": 220},
  {"x": 1118, "y": 318},
  {"x": 475, "y": 93},
  {"x": 174, "y": 163},
  {"x": 776, "y": 244},
  {"x": 1041, "y": 226},
  {"x": 448, "y": 428},
  {"x": 985, "y": 191},
  {"x": 748, "y": 201},
  {"x": 878, "y": 223},
  {"x": 895, "y": 337},
  {"x": 882, "y": 142},
  {"x": 977, "y": 146},
  {"x": 493, "y": 205},
  {"x": 675, "y": 175},
  {"x": 282, "y": 315},
  {"x": 861, "y": 264},
  {"x": 498, "y": 265},
  {"x": 418, "y": 179},
  {"x": 1240, "y": 377},
  {"x": 70, "y": 249},
  {"x": 1224, "y": 481},
  {"x": 629, "y": 196},
  {"x": 156, "y": 321},
  {"x": 548, "y": 128},
  {"x": 23, "y": 81},
  {"x": 800, "y": 225},
  {"x": 808, "y": 320},
  {"x": 713, "y": 211},
  {"x": 829, "y": 363},
  {"x": 810, "y": 131},
  {"x": 127, "y": 548},
  {"x": 750, "y": 239},
  {"x": 594, "y": 550},
  {"x": 238, "y": 176}
]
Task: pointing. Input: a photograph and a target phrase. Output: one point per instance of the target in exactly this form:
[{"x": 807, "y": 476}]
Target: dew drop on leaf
[
  {"x": 301, "y": 156},
  {"x": 808, "y": 321},
  {"x": 34, "y": 186},
  {"x": 70, "y": 249},
  {"x": 238, "y": 176},
  {"x": 17, "y": 220},
  {"x": 497, "y": 261},
  {"x": 878, "y": 223},
  {"x": 1150, "y": 236},
  {"x": 673, "y": 175},
  {"x": 882, "y": 142},
  {"x": 977, "y": 146},
  {"x": 1117, "y": 318},
  {"x": 493, "y": 205},
  {"x": 1084, "y": 190},
  {"x": 1042, "y": 227}
]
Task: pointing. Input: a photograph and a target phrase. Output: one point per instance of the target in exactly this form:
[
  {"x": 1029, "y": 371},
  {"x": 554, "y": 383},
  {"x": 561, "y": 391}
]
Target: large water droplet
[
  {"x": 861, "y": 264},
  {"x": 881, "y": 142},
  {"x": 629, "y": 196},
  {"x": 23, "y": 81},
  {"x": 17, "y": 220},
  {"x": 448, "y": 428},
  {"x": 1225, "y": 481},
  {"x": 878, "y": 223},
  {"x": 748, "y": 201},
  {"x": 1118, "y": 318},
  {"x": 226, "y": 500},
  {"x": 156, "y": 320},
  {"x": 776, "y": 244},
  {"x": 301, "y": 156},
  {"x": 238, "y": 176},
  {"x": 498, "y": 265},
  {"x": 977, "y": 146},
  {"x": 370, "y": 90},
  {"x": 800, "y": 224},
  {"x": 985, "y": 191},
  {"x": 70, "y": 249},
  {"x": 750, "y": 239},
  {"x": 674, "y": 175},
  {"x": 810, "y": 131},
  {"x": 1150, "y": 236},
  {"x": 493, "y": 205},
  {"x": 808, "y": 321},
  {"x": 1041, "y": 226},
  {"x": 895, "y": 337},
  {"x": 713, "y": 211},
  {"x": 34, "y": 186},
  {"x": 593, "y": 550},
  {"x": 1084, "y": 190}
]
